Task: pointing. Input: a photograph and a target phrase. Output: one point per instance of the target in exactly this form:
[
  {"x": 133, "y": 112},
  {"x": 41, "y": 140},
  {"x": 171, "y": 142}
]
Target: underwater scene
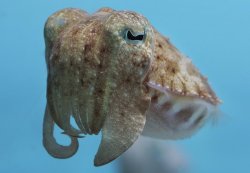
[{"x": 125, "y": 86}]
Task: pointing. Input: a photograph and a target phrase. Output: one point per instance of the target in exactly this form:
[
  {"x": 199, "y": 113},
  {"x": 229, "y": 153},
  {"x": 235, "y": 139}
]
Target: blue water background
[{"x": 215, "y": 34}]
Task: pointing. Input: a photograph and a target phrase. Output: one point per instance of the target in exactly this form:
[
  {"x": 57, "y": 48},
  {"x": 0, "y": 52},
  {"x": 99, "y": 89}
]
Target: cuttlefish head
[{"x": 182, "y": 100}]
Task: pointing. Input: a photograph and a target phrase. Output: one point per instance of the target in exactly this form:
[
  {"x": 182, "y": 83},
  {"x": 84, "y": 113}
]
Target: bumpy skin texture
[
  {"x": 108, "y": 70},
  {"x": 181, "y": 98},
  {"x": 182, "y": 77}
]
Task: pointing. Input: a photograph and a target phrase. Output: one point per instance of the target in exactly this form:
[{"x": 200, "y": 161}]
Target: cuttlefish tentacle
[{"x": 49, "y": 141}]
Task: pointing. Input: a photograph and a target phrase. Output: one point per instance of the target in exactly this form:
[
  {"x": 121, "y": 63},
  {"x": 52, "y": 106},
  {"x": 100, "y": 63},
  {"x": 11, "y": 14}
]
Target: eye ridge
[{"x": 130, "y": 36}]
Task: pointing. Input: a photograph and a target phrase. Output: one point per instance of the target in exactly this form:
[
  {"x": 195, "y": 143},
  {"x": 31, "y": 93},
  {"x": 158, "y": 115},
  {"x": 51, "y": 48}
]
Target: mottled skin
[
  {"x": 181, "y": 98},
  {"x": 183, "y": 78},
  {"x": 112, "y": 72}
]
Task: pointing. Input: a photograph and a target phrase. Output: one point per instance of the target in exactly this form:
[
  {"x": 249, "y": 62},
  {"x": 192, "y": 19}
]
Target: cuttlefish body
[{"x": 113, "y": 72}]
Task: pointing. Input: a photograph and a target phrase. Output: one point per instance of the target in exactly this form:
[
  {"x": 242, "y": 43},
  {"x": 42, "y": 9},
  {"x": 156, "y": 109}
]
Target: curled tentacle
[{"x": 53, "y": 148}]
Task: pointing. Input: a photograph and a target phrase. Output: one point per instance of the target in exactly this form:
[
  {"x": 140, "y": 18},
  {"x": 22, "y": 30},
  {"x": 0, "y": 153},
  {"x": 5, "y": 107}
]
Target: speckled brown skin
[
  {"x": 176, "y": 73},
  {"x": 175, "y": 85},
  {"x": 114, "y": 83}
]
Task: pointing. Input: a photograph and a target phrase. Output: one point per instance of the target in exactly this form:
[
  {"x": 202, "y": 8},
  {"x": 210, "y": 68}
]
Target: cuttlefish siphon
[{"x": 113, "y": 72}]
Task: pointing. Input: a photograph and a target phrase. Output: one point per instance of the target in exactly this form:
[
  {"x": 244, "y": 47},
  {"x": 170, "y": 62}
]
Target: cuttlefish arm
[
  {"x": 123, "y": 125},
  {"x": 61, "y": 109},
  {"x": 49, "y": 141}
]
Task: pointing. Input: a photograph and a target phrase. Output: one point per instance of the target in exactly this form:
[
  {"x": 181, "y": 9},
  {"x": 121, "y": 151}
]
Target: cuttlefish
[{"x": 116, "y": 74}]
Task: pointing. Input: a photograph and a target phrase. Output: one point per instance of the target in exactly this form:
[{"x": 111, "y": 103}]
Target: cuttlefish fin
[
  {"x": 120, "y": 130},
  {"x": 52, "y": 147}
]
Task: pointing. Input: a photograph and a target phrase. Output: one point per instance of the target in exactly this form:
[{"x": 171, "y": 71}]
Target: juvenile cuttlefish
[{"x": 113, "y": 72}]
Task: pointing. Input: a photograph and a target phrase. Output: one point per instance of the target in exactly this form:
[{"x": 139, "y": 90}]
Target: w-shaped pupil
[{"x": 130, "y": 36}]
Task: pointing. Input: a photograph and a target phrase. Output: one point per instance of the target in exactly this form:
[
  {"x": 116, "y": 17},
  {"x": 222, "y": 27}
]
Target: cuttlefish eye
[{"x": 134, "y": 37}]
